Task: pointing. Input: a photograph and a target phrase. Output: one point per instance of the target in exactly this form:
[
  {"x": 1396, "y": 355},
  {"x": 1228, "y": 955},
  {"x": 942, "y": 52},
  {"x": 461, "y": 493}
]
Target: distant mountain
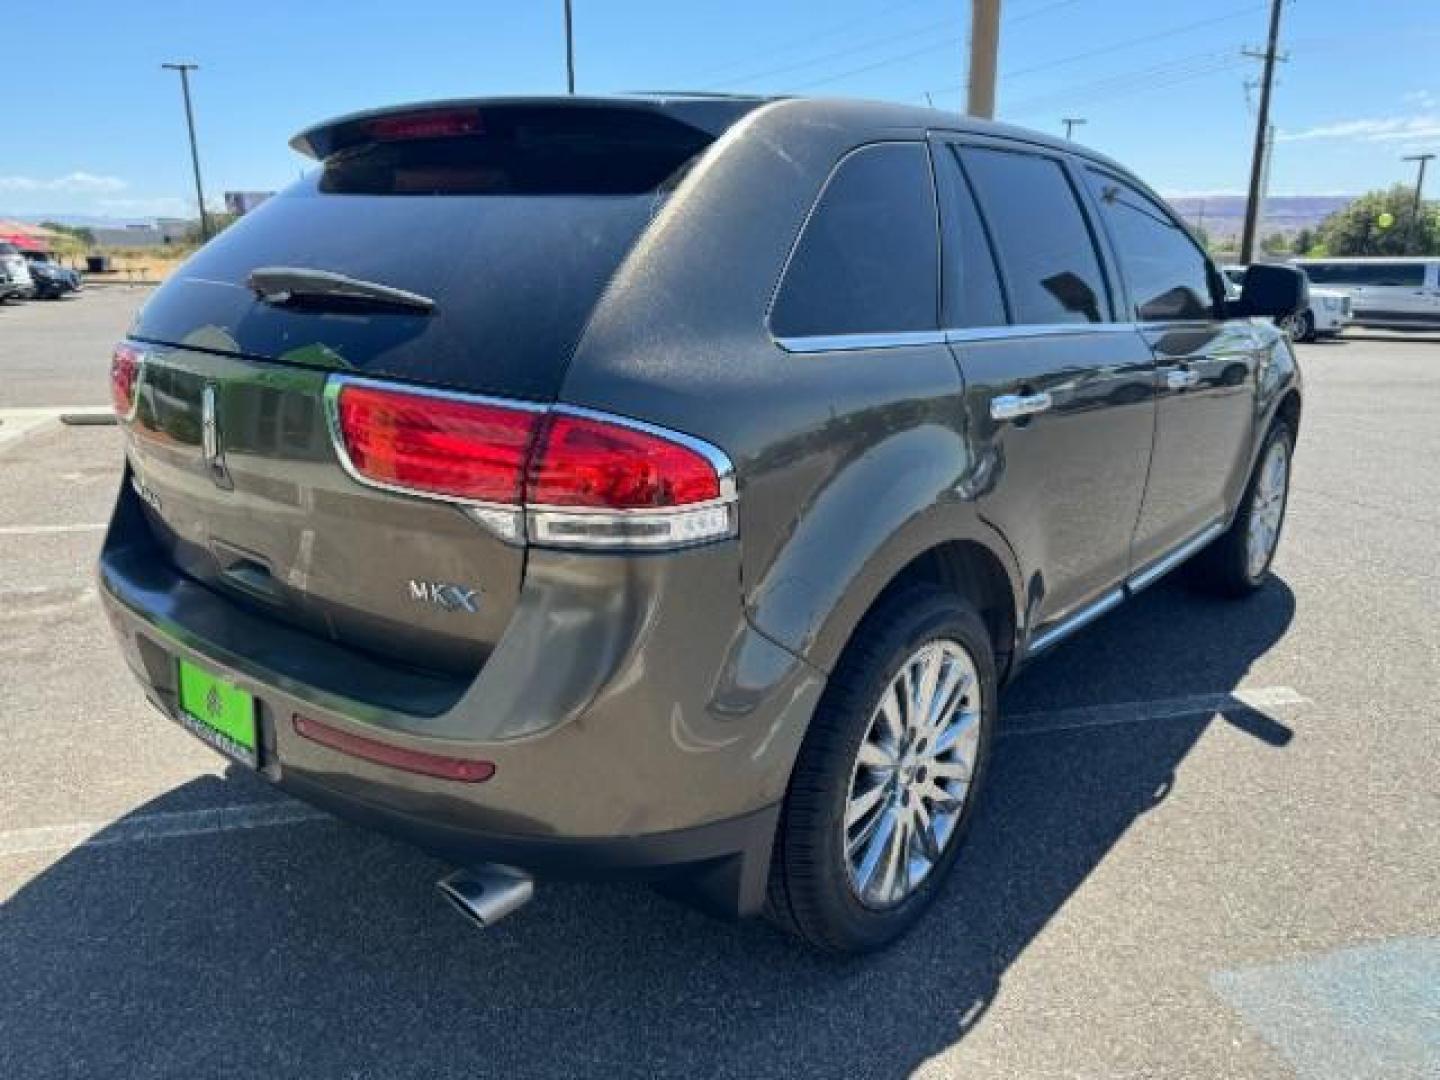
[{"x": 1224, "y": 215}]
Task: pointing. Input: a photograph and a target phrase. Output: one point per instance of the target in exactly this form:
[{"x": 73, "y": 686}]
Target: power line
[
  {"x": 863, "y": 46},
  {"x": 1117, "y": 47},
  {"x": 1151, "y": 77},
  {"x": 791, "y": 44},
  {"x": 944, "y": 43}
]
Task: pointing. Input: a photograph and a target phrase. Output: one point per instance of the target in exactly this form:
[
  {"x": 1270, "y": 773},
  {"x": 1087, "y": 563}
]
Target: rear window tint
[
  {"x": 867, "y": 260},
  {"x": 523, "y": 151},
  {"x": 1048, "y": 255}
]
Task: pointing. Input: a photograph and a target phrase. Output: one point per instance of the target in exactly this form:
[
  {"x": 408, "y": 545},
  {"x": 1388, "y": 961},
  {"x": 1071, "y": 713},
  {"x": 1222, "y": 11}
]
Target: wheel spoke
[
  {"x": 876, "y": 847},
  {"x": 925, "y": 692},
  {"x": 947, "y": 696},
  {"x": 925, "y": 831},
  {"x": 891, "y": 719},
  {"x": 950, "y": 769},
  {"x": 860, "y": 805},
  {"x": 876, "y": 757},
  {"x": 962, "y": 726}
]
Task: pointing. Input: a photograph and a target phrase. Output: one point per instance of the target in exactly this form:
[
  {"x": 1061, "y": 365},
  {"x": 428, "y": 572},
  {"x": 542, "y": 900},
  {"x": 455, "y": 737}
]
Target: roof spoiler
[{"x": 707, "y": 115}]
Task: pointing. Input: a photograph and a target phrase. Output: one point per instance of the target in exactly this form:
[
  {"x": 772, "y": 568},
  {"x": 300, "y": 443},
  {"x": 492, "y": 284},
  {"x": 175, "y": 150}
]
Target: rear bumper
[{"x": 657, "y": 751}]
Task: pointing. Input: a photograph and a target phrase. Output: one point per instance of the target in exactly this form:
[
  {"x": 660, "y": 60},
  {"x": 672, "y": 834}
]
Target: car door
[
  {"x": 1205, "y": 370},
  {"x": 1059, "y": 396}
]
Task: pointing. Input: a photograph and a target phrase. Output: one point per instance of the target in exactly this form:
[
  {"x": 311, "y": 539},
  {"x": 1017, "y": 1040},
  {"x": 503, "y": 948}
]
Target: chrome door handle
[
  {"x": 1181, "y": 379},
  {"x": 1016, "y": 406}
]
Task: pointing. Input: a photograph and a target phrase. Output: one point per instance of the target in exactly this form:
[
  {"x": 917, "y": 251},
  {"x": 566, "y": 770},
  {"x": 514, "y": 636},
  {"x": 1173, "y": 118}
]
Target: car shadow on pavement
[{"x": 319, "y": 950}]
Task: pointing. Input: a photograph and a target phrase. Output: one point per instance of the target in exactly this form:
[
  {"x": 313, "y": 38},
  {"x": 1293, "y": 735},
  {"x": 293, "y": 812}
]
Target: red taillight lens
[
  {"x": 124, "y": 374},
  {"x": 442, "y": 445},
  {"x": 466, "y": 770},
  {"x": 434, "y": 124},
  {"x": 594, "y": 464}
]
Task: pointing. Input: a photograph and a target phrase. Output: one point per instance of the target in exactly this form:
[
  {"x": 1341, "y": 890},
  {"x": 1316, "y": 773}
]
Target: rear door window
[
  {"x": 1045, "y": 246},
  {"x": 969, "y": 282},
  {"x": 867, "y": 259},
  {"x": 1168, "y": 274}
]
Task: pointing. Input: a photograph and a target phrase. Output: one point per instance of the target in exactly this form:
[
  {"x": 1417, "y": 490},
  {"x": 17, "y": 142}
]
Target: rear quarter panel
[{"x": 848, "y": 463}]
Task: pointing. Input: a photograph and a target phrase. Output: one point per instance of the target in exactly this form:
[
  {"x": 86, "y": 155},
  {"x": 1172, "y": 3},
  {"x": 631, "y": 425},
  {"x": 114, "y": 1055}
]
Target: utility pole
[
  {"x": 1071, "y": 123},
  {"x": 569, "y": 49},
  {"x": 184, "y": 70},
  {"x": 984, "y": 51},
  {"x": 1419, "y": 185},
  {"x": 1262, "y": 128}
]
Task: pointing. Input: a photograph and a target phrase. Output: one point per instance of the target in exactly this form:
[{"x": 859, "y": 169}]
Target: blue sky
[{"x": 1160, "y": 84}]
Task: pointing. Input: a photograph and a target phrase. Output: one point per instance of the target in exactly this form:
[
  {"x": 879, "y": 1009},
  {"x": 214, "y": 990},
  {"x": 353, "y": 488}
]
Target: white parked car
[
  {"x": 1329, "y": 311},
  {"x": 1395, "y": 293}
]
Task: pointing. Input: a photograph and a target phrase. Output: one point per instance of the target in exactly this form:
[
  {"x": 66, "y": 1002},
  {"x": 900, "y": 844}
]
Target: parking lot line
[
  {"x": 51, "y": 530},
  {"x": 143, "y": 828}
]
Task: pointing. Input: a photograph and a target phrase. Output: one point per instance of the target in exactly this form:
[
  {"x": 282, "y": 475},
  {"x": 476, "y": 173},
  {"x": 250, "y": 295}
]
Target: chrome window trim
[
  {"x": 961, "y": 335},
  {"x": 509, "y": 521},
  {"x": 901, "y": 339}
]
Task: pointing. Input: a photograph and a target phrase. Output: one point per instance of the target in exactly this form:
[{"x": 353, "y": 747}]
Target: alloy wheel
[
  {"x": 912, "y": 774},
  {"x": 1267, "y": 508}
]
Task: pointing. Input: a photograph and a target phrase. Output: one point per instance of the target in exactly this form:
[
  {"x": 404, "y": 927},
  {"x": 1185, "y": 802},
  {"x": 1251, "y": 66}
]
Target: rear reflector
[
  {"x": 585, "y": 479},
  {"x": 125, "y": 364},
  {"x": 465, "y": 770}
]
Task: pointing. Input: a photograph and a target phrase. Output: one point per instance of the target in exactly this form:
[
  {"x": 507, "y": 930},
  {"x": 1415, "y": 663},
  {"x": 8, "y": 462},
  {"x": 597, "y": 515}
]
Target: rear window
[
  {"x": 868, "y": 258},
  {"x": 514, "y": 231},
  {"x": 521, "y": 151}
]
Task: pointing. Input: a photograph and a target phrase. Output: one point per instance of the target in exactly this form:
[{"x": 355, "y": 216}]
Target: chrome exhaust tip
[{"x": 485, "y": 894}]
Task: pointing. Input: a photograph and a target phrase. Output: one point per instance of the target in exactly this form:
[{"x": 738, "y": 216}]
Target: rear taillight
[
  {"x": 439, "y": 445},
  {"x": 563, "y": 477},
  {"x": 125, "y": 364}
]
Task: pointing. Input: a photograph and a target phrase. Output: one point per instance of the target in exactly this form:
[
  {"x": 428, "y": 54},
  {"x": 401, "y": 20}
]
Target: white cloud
[
  {"x": 1422, "y": 99},
  {"x": 75, "y": 183},
  {"x": 1393, "y": 129}
]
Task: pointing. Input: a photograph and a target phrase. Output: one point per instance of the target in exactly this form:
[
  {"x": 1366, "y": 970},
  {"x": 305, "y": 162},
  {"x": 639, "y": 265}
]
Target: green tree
[
  {"x": 218, "y": 224},
  {"x": 1277, "y": 243},
  {"x": 77, "y": 232},
  {"x": 1380, "y": 223},
  {"x": 1304, "y": 240}
]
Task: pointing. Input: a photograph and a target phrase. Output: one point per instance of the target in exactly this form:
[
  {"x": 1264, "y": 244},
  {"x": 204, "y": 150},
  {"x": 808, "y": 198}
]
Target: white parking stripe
[
  {"x": 1138, "y": 712},
  {"x": 159, "y": 826},
  {"x": 143, "y": 828},
  {"x": 51, "y": 530}
]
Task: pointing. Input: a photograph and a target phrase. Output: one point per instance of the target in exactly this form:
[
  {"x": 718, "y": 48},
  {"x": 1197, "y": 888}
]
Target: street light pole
[
  {"x": 569, "y": 49},
  {"x": 1419, "y": 186},
  {"x": 1071, "y": 123},
  {"x": 184, "y": 70}
]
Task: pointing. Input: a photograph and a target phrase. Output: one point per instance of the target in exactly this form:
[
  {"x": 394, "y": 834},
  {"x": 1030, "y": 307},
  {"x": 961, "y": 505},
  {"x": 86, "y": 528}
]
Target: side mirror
[{"x": 1271, "y": 292}]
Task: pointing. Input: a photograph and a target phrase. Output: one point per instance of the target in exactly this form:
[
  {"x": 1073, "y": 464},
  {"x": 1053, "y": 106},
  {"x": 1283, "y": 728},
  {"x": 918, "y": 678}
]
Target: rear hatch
[{"x": 508, "y": 219}]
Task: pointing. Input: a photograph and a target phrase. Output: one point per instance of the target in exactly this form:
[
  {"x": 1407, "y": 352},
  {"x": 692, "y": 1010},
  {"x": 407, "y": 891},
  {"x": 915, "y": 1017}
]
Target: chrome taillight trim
[{"x": 567, "y": 527}]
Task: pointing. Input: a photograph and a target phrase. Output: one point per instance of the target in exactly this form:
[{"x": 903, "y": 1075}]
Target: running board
[{"x": 1115, "y": 597}]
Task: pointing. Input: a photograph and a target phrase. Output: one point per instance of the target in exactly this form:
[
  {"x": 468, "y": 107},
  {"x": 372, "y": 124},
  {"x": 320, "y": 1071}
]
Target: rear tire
[
  {"x": 888, "y": 776},
  {"x": 1239, "y": 559}
]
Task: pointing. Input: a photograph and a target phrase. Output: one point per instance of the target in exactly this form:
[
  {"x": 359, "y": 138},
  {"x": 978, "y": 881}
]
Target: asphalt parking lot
[{"x": 1209, "y": 847}]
